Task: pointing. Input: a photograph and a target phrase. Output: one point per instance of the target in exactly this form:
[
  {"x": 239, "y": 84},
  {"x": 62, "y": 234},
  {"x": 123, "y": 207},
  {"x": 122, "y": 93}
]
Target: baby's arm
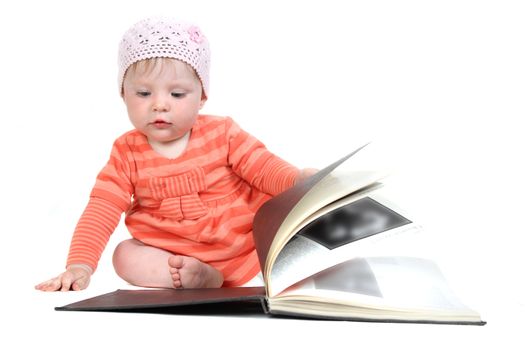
[
  {"x": 76, "y": 277},
  {"x": 109, "y": 198},
  {"x": 97, "y": 223},
  {"x": 250, "y": 159}
]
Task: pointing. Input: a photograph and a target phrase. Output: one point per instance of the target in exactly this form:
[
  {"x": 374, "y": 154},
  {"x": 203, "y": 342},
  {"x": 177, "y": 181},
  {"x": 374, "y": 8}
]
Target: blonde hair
[{"x": 155, "y": 66}]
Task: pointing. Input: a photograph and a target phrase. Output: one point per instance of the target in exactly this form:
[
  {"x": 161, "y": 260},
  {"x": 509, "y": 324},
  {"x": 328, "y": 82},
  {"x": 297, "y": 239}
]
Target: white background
[{"x": 441, "y": 82}]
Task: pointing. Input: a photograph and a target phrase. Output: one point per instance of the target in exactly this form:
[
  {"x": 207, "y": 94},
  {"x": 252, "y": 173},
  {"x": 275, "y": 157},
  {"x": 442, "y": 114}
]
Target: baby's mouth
[{"x": 161, "y": 124}]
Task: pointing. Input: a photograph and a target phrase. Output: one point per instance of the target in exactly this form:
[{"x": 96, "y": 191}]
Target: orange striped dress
[{"x": 200, "y": 204}]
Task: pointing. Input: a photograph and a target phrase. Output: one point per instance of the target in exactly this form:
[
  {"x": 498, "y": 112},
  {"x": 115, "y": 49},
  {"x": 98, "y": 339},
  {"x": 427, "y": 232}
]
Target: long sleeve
[
  {"x": 95, "y": 226},
  {"x": 110, "y": 197},
  {"x": 251, "y": 160}
]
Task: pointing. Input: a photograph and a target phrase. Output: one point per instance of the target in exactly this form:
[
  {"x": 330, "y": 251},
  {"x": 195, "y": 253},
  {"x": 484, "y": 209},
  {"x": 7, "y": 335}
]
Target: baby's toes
[{"x": 175, "y": 261}]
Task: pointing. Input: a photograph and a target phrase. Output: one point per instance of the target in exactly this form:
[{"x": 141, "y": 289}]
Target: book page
[
  {"x": 328, "y": 190},
  {"x": 384, "y": 283},
  {"x": 269, "y": 221},
  {"x": 336, "y": 236}
]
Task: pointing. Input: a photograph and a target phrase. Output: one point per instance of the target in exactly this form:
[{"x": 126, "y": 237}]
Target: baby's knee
[{"x": 121, "y": 261}]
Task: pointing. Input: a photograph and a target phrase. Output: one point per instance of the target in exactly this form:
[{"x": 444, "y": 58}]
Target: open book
[{"x": 316, "y": 243}]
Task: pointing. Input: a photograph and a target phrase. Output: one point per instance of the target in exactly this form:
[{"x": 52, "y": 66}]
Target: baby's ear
[{"x": 203, "y": 100}]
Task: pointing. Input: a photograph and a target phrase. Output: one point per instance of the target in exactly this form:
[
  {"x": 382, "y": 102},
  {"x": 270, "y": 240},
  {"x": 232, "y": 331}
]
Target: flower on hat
[{"x": 195, "y": 34}]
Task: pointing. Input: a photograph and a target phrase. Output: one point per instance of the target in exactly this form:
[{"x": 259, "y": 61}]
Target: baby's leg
[
  {"x": 147, "y": 266},
  {"x": 142, "y": 265}
]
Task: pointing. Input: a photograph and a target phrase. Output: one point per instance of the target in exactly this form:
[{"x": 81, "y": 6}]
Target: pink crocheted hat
[{"x": 165, "y": 37}]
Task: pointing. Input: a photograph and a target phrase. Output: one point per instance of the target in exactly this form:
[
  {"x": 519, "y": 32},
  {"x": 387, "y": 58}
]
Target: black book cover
[{"x": 248, "y": 300}]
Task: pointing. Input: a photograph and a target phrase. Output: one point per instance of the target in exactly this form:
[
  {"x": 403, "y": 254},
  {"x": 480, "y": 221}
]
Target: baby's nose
[{"x": 160, "y": 105}]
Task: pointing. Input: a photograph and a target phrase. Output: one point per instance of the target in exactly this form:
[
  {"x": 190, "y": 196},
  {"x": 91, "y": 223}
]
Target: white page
[
  {"x": 390, "y": 282},
  {"x": 306, "y": 255}
]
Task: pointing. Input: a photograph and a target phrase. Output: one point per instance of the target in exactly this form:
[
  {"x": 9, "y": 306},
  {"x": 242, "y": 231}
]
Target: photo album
[{"x": 315, "y": 244}]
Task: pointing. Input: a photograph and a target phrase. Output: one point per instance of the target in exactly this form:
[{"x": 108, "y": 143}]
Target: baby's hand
[
  {"x": 305, "y": 173},
  {"x": 76, "y": 277}
]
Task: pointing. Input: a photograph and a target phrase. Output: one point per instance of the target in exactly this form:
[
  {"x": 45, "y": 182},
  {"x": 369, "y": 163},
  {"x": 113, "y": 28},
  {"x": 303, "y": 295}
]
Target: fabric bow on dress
[{"x": 179, "y": 195}]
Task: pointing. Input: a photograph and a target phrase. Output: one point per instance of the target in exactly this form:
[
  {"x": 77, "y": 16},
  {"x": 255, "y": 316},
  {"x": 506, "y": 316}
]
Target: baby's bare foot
[{"x": 188, "y": 272}]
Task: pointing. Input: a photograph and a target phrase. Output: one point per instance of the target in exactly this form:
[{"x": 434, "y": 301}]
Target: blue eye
[
  {"x": 178, "y": 94},
  {"x": 143, "y": 93}
]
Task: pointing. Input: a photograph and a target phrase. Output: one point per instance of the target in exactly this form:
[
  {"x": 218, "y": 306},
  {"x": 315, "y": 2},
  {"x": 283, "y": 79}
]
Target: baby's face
[{"x": 163, "y": 101}]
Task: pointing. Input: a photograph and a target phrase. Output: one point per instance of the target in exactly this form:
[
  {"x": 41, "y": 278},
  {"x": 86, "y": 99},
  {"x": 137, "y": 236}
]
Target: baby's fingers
[
  {"x": 51, "y": 285},
  {"x": 76, "y": 286},
  {"x": 80, "y": 284},
  {"x": 67, "y": 281}
]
